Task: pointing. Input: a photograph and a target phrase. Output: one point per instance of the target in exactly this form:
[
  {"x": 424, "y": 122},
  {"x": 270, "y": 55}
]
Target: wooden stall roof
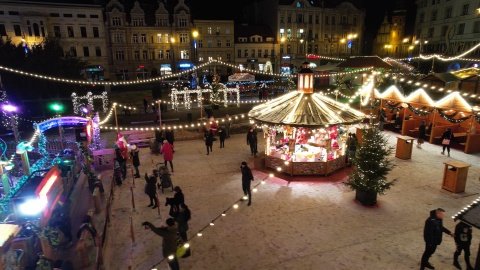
[
  {"x": 444, "y": 77},
  {"x": 454, "y": 101},
  {"x": 465, "y": 73},
  {"x": 420, "y": 97},
  {"x": 365, "y": 62},
  {"x": 392, "y": 93}
]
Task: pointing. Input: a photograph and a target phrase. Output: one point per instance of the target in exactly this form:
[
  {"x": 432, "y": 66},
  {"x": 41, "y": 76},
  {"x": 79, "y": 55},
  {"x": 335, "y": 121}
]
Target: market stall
[{"x": 304, "y": 131}]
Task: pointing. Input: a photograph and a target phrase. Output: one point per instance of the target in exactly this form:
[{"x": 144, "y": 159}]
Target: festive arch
[
  {"x": 89, "y": 97},
  {"x": 188, "y": 101}
]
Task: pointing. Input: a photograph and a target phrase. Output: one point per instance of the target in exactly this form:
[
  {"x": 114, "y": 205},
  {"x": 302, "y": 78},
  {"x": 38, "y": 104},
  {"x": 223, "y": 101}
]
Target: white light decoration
[{"x": 89, "y": 97}]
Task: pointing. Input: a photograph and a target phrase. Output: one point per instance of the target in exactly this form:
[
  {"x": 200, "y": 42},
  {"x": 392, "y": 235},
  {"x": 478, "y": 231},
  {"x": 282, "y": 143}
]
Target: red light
[{"x": 141, "y": 66}]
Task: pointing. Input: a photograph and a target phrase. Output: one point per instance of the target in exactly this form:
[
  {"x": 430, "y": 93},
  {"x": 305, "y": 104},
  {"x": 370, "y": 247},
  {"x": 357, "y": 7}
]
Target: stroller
[{"x": 164, "y": 175}]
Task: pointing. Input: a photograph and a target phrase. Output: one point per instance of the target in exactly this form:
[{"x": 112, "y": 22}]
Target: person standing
[
  {"x": 228, "y": 125},
  {"x": 422, "y": 134},
  {"x": 145, "y": 104},
  {"x": 151, "y": 190},
  {"x": 117, "y": 172},
  {"x": 252, "y": 140},
  {"x": 175, "y": 202},
  {"x": 222, "y": 135},
  {"x": 463, "y": 240},
  {"x": 122, "y": 161},
  {"x": 170, "y": 136},
  {"x": 352, "y": 147},
  {"x": 382, "y": 118},
  {"x": 135, "y": 159},
  {"x": 247, "y": 178},
  {"x": 182, "y": 218},
  {"x": 432, "y": 234},
  {"x": 169, "y": 242},
  {"x": 167, "y": 152},
  {"x": 447, "y": 138},
  {"x": 208, "y": 141}
]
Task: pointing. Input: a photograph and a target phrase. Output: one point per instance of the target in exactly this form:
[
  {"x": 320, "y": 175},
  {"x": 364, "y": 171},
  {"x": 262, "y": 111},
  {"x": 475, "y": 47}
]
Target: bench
[{"x": 141, "y": 139}]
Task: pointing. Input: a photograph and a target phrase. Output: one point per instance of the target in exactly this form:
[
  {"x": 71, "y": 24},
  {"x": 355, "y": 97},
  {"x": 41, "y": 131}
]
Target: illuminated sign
[{"x": 185, "y": 65}]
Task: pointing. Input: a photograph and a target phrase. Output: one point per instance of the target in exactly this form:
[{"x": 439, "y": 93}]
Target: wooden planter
[{"x": 366, "y": 197}]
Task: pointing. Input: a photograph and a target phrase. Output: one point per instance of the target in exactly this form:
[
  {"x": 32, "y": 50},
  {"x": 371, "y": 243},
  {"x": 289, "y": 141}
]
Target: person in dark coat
[
  {"x": 120, "y": 156},
  {"x": 169, "y": 242},
  {"x": 208, "y": 141},
  {"x": 170, "y": 136},
  {"x": 182, "y": 218},
  {"x": 117, "y": 172},
  {"x": 135, "y": 159},
  {"x": 448, "y": 134},
  {"x": 222, "y": 134},
  {"x": 151, "y": 190},
  {"x": 175, "y": 202},
  {"x": 422, "y": 134},
  {"x": 432, "y": 234},
  {"x": 247, "y": 178},
  {"x": 252, "y": 140},
  {"x": 463, "y": 240}
]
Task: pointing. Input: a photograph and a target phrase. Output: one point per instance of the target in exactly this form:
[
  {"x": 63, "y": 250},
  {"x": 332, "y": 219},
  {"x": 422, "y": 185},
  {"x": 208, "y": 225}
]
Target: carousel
[{"x": 305, "y": 132}]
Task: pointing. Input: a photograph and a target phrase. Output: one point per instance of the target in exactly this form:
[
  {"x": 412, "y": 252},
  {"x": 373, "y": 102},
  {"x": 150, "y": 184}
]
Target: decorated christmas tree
[{"x": 372, "y": 164}]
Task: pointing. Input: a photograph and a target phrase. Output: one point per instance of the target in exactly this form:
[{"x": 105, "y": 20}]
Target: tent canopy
[{"x": 365, "y": 62}]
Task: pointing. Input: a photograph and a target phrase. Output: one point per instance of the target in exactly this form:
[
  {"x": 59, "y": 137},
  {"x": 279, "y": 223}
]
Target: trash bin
[{"x": 189, "y": 117}]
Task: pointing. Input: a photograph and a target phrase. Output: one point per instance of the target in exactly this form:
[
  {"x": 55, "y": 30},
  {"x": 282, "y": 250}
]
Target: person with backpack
[{"x": 135, "y": 159}]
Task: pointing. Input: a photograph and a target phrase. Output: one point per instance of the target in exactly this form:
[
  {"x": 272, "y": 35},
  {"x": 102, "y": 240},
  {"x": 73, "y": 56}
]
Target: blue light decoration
[
  {"x": 349, "y": 44},
  {"x": 62, "y": 121},
  {"x": 193, "y": 83}
]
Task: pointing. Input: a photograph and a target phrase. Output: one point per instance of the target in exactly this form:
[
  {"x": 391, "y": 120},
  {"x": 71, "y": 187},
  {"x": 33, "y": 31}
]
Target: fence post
[
  {"x": 131, "y": 230},
  {"x": 96, "y": 200},
  {"x": 158, "y": 208},
  {"x": 133, "y": 199},
  {"x": 99, "y": 260},
  {"x": 133, "y": 178}
]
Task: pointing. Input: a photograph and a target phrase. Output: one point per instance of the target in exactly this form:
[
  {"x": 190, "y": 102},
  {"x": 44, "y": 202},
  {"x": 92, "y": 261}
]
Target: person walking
[
  {"x": 151, "y": 190},
  {"x": 432, "y": 234},
  {"x": 447, "y": 138},
  {"x": 352, "y": 147},
  {"x": 169, "y": 242},
  {"x": 247, "y": 178},
  {"x": 252, "y": 140},
  {"x": 120, "y": 156},
  {"x": 209, "y": 141},
  {"x": 463, "y": 240},
  {"x": 175, "y": 202},
  {"x": 228, "y": 125},
  {"x": 182, "y": 218},
  {"x": 167, "y": 152},
  {"x": 145, "y": 104},
  {"x": 222, "y": 134},
  {"x": 422, "y": 134},
  {"x": 135, "y": 159}
]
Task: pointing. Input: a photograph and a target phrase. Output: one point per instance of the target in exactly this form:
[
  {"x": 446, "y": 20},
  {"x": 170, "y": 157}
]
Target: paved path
[{"x": 290, "y": 225}]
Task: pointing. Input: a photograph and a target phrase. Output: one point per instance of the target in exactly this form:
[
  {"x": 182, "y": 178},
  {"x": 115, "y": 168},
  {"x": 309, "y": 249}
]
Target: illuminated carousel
[{"x": 304, "y": 131}]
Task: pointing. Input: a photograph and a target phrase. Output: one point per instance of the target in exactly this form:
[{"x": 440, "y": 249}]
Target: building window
[
  {"x": 327, "y": 21},
  {"x": 245, "y": 54},
  {"x": 448, "y": 12},
  {"x": 3, "y": 30},
  {"x": 73, "y": 51},
  {"x": 465, "y": 9},
  {"x": 159, "y": 38},
  {"x": 209, "y": 43},
  {"x": 86, "y": 52},
  {"x": 67, "y": 15},
  {"x": 95, "y": 16},
  {"x": 229, "y": 57},
  {"x": 239, "y": 53},
  {"x": 116, "y": 21},
  {"x": 219, "y": 43},
  {"x": 431, "y": 32},
  {"x": 137, "y": 22},
  {"x": 120, "y": 55},
  {"x": 183, "y": 38},
  {"x": 167, "y": 38},
  {"x": 54, "y": 15},
  {"x": 421, "y": 17},
  {"x": 96, "y": 33},
  {"x": 476, "y": 27},
  {"x": 117, "y": 37},
  {"x": 299, "y": 18},
  {"x": 259, "y": 53},
  {"x": 83, "y": 31},
  {"x": 227, "y": 30},
  {"x": 136, "y": 55},
  {"x": 444, "y": 30},
  {"x": 18, "y": 30},
  {"x": 461, "y": 29},
  {"x": 168, "y": 54},
  {"x": 218, "y": 31},
  {"x": 228, "y": 43},
  {"x": 144, "y": 55},
  {"x": 56, "y": 31},
  {"x": 434, "y": 15},
  {"x": 98, "y": 51},
  {"x": 310, "y": 19},
  {"x": 182, "y": 22},
  {"x": 160, "y": 54},
  {"x": 344, "y": 20},
  {"x": 143, "y": 38},
  {"x": 162, "y": 22},
  {"x": 200, "y": 43},
  {"x": 209, "y": 30},
  {"x": 289, "y": 18},
  {"x": 317, "y": 19},
  {"x": 333, "y": 20},
  {"x": 135, "y": 38},
  {"x": 81, "y": 16},
  {"x": 70, "y": 31}
]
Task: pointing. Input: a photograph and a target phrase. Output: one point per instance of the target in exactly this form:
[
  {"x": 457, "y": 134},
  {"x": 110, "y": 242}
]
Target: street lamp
[
  {"x": 58, "y": 108},
  {"x": 387, "y": 47},
  {"x": 172, "y": 40},
  {"x": 195, "y": 35},
  {"x": 350, "y": 38}
]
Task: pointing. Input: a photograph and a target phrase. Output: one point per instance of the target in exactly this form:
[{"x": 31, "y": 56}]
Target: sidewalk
[{"x": 309, "y": 224}]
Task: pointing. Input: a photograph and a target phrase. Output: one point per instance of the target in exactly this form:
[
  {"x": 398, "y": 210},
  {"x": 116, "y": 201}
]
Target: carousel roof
[{"x": 305, "y": 110}]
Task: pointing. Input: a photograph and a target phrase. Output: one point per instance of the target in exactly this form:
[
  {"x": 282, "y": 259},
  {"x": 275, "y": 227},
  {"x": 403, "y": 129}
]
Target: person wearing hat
[
  {"x": 422, "y": 134},
  {"x": 247, "y": 178},
  {"x": 167, "y": 152},
  {"x": 135, "y": 159}
]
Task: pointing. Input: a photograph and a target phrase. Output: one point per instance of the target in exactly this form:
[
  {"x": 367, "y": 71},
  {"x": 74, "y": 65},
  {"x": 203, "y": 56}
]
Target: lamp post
[
  {"x": 195, "y": 56},
  {"x": 350, "y": 38},
  {"x": 9, "y": 110},
  {"x": 172, "y": 41},
  {"x": 420, "y": 42}
]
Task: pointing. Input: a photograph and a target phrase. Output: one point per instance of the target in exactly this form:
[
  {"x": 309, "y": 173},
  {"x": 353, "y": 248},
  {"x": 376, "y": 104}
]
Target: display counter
[{"x": 305, "y": 168}]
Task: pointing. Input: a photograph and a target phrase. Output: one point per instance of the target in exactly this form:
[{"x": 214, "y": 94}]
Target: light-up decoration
[
  {"x": 9, "y": 108},
  {"x": 62, "y": 121},
  {"x": 23, "y": 147},
  {"x": 90, "y": 98}
]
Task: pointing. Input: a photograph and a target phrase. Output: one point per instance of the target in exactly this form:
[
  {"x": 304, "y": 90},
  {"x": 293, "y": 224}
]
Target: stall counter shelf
[{"x": 305, "y": 168}]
